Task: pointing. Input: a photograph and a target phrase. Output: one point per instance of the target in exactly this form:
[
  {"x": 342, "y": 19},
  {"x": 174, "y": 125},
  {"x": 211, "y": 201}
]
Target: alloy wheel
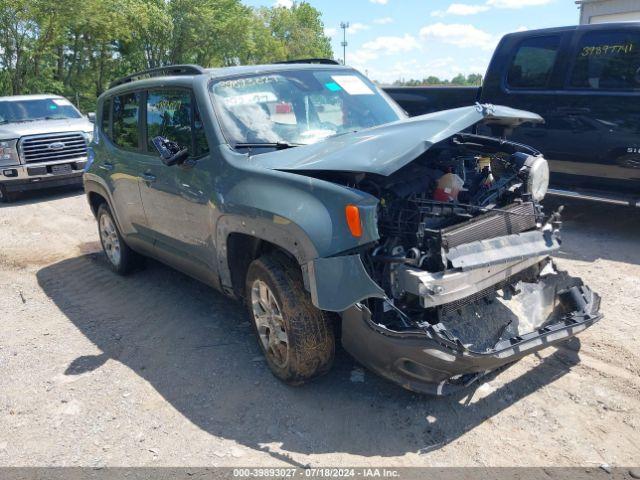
[
  {"x": 110, "y": 240},
  {"x": 270, "y": 325}
]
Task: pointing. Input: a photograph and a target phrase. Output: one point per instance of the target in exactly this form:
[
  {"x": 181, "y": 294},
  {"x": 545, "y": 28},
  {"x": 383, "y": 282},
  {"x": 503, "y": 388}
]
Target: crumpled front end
[
  {"x": 461, "y": 281},
  {"x": 439, "y": 332},
  {"x": 476, "y": 332}
]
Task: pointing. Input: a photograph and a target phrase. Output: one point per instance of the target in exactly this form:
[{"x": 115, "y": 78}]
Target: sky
[{"x": 404, "y": 39}]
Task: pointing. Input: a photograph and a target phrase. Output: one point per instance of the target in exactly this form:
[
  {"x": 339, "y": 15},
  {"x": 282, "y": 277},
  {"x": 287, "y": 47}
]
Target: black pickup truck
[{"x": 585, "y": 82}]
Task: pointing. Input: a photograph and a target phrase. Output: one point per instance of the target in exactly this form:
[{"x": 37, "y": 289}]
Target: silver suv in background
[{"x": 43, "y": 143}]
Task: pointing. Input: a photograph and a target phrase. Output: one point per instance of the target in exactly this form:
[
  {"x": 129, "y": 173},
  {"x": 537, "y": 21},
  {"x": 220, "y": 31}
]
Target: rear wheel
[
  {"x": 122, "y": 259},
  {"x": 297, "y": 338}
]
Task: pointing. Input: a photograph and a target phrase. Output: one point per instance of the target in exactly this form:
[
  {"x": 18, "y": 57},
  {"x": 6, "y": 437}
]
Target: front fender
[
  {"x": 275, "y": 230},
  {"x": 316, "y": 206},
  {"x": 337, "y": 283},
  {"x": 306, "y": 217}
]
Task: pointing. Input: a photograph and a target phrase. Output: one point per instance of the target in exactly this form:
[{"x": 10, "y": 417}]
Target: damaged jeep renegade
[{"x": 304, "y": 191}]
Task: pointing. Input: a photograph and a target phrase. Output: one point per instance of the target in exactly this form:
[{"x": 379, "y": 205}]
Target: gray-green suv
[
  {"x": 43, "y": 143},
  {"x": 302, "y": 190}
]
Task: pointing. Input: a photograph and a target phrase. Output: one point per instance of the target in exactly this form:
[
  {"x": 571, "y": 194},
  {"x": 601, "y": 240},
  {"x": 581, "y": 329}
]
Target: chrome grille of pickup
[{"x": 52, "y": 147}]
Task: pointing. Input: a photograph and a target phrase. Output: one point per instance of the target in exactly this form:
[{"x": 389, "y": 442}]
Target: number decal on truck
[{"x": 606, "y": 50}]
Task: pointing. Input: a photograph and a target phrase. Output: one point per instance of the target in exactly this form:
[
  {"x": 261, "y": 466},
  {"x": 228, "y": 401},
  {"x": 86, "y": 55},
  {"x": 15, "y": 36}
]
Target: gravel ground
[{"x": 159, "y": 370}]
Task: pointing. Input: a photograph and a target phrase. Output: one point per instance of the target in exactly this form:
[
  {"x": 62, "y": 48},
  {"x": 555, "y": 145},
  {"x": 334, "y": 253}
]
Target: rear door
[
  {"x": 584, "y": 83},
  {"x": 602, "y": 96},
  {"x": 120, "y": 159},
  {"x": 176, "y": 199}
]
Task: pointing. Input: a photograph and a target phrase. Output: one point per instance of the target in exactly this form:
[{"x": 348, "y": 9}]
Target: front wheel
[
  {"x": 122, "y": 259},
  {"x": 297, "y": 338},
  {"x": 5, "y": 197}
]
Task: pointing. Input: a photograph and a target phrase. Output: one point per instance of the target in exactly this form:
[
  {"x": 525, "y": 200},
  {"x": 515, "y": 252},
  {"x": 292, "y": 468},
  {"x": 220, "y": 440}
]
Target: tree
[
  {"x": 474, "y": 79},
  {"x": 76, "y": 48},
  {"x": 300, "y": 31},
  {"x": 18, "y": 20},
  {"x": 210, "y": 32},
  {"x": 459, "y": 80}
]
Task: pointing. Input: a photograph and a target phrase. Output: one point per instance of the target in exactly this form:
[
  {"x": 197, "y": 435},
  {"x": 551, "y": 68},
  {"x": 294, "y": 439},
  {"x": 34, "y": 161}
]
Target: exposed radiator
[{"x": 520, "y": 218}]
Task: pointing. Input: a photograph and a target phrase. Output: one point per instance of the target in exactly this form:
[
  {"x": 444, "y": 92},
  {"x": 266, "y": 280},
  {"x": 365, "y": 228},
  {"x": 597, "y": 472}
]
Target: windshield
[
  {"x": 299, "y": 107},
  {"x": 40, "y": 109}
]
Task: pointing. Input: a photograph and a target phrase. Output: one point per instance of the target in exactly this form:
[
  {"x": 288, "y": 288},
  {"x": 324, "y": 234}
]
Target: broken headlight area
[
  {"x": 464, "y": 189},
  {"x": 466, "y": 204},
  {"x": 464, "y": 262}
]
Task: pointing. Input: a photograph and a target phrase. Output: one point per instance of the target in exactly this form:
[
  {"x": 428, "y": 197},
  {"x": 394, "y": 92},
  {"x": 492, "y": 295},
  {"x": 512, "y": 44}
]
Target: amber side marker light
[{"x": 353, "y": 220}]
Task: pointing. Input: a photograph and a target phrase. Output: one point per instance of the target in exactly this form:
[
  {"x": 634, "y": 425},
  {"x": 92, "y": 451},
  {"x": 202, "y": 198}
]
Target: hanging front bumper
[{"x": 432, "y": 360}]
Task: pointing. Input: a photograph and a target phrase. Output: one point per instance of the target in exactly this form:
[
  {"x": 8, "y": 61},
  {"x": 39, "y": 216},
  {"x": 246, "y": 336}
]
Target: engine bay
[
  {"x": 458, "y": 181},
  {"x": 466, "y": 189}
]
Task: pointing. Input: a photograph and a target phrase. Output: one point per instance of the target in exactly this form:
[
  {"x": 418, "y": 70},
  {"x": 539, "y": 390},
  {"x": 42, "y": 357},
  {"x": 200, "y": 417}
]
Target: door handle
[
  {"x": 192, "y": 194},
  {"x": 149, "y": 177},
  {"x": 107, "y": 166}
]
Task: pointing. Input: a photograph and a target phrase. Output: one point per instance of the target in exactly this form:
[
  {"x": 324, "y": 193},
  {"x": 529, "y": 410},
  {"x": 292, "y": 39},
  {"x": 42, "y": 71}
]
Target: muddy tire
[
  {"x": 296, "y": 338},
  {"x": 120, "y": 257}
]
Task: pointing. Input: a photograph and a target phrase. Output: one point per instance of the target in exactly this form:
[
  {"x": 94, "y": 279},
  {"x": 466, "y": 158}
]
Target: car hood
[
  {"x": 10, "y": 131},
  {"x": 385, "y": 149}
]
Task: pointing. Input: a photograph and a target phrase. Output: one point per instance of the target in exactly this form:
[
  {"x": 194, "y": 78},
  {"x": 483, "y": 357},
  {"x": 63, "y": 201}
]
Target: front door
[
  {"x": 120, "y": 160},
  {"x": 176, "y": 198},
  {"x": 532, "y": 81}
]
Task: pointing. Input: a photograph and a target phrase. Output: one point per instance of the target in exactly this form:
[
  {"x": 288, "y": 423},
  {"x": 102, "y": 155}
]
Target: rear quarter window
[
  {"x": 533, "y": 62},
  {"x": 607, "y": 61}
]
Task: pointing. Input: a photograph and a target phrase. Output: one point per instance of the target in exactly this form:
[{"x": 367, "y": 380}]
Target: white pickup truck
[{"x": 43, "y": 143}]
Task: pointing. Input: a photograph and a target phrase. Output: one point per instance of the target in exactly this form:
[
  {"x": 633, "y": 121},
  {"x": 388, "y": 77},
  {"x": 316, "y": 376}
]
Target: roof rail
[
  {"x": 159, "y": 72},
  {"x": 321, "y": 61}
]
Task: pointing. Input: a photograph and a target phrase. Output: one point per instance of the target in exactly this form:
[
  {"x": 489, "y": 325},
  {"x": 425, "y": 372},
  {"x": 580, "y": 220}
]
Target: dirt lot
[{"x": 156, "y": 369}]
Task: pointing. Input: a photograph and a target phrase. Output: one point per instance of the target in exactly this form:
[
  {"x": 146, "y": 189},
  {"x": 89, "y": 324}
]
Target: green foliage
[
  {"x": 76, "y": 48},
  {"x": 458, "y": 80},
  {"x": 473, "y": 79}
]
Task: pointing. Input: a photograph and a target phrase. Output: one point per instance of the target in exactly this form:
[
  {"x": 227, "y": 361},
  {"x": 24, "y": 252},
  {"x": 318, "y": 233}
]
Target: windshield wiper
[
  {"x": 48, "y": 117},
  {"x": 22, "y": 120},
  {"x": 276, "y": 145},
  {"x": 345, "y": 133}
]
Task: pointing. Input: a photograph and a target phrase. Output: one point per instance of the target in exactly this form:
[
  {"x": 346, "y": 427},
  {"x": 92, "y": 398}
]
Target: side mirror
[
  {"x": 91, "y": 116},
  {"x": 170, "y": 152}
]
